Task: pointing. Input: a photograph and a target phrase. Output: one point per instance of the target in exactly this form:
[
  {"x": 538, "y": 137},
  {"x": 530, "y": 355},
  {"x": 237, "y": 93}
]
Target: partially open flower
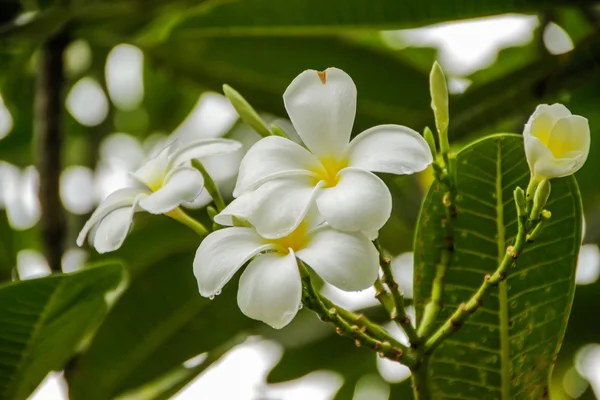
[
  {"x": 166, "y": 182},
  {"x": 557, "y": 143},
  {"x": 335, "y": 173},
  {"x": 270, "y": 288}
]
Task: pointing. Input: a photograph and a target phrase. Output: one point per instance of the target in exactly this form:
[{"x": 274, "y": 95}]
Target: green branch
[
  {"x": 398, "y": 312},
  {"x": 383, "y": 296},
  {"x": 364, "y": 332},
  {"x": 454, "y": 323}
]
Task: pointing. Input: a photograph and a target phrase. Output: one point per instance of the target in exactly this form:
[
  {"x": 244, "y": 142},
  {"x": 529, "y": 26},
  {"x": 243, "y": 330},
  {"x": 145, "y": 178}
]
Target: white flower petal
[
  {"x": 241, "y": 207},
  {"x": 270, "y": 289},
  {"x": 549, "y": 168},
  {"x": 113, "y": 229},
  {"x": 271, "y": 157},
  {"x": 221, "y": 254},
  {"x": 203, "y": 148},
  {"x": 535, "y": 150},
  {"x": 543, "y": 119},
  {"x": 571, "y": 133},
  {"x": 118, "y": 199},
  {"x": 346, "y": 260},
  {"x": 359, "y": 202},
  {"x": 154, "y": 170},
  {"x": 322, "y": 107},
  {"x": 280, "y": 205},
  {"x": 183, "y": 184},
  {"x": 394, "y": 149}
]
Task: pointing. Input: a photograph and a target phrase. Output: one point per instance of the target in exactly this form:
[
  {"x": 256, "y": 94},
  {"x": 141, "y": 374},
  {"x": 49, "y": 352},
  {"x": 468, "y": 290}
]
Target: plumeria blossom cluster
[
  {"x": 280, "y": 183},
  {"x": 318, "y": 204}
]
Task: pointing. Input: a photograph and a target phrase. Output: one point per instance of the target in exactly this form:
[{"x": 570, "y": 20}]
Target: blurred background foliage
[{"x": 136, "y": 71}]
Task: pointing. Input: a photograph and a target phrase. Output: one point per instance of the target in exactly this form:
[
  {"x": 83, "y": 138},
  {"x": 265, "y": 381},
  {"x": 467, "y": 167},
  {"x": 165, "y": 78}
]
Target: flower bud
[
  {"x": 428, "y": 135},
  {"x": 520, "y": 201},
  {"x": 557, "y": 143},
  {"x": 246, "y": 112},
  {"x": 540, "y": 198},
  {"x": 439, "y": 103}
]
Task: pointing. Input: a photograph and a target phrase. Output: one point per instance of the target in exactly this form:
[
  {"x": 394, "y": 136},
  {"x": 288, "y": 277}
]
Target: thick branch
[{"x": 49, "y": 139}]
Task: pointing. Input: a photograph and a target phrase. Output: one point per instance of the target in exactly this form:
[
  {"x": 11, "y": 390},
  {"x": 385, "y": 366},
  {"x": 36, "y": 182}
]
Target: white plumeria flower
[
  {"x": 334, "y": 173},
  {"x": 166, "y": 181},
  {"x": 270, "y": 288},
  {"x": 557, "y": 143}
]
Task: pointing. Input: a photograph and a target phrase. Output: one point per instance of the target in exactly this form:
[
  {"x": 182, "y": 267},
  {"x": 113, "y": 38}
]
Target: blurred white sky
[{"x": 464, "y": 48}]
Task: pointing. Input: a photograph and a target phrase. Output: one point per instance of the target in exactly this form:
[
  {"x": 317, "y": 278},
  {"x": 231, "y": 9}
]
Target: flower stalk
[
  {"x": 398, "y": 313},
  {"x": 210, "y": 185},
  {"x": 179, "y": 215},
  {"x": 383, "y": 296},
  {"x": 364, "y": 332}
]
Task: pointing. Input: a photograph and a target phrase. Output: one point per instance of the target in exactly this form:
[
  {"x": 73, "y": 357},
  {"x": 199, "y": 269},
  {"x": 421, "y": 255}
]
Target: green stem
[
  {"x": 457, "y": 319},
  {"x": 398, "y": 312},
  {"x": 420, "y": 380},
  {"x": 210, "y": 185},
  {"x": 179, "y": 215},
  {"x": 384, "y": 297},
  {"x": 364, "y": 332}
]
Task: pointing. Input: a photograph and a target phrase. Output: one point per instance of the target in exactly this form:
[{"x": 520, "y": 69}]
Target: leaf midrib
[{"x": 503, "y": 286}]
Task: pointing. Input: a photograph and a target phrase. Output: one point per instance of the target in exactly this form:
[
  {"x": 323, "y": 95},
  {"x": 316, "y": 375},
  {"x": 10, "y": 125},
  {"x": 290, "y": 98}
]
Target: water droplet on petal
[
  {"x": 211, "y": 298},
  {"x": 218, "y": 293},
  {"x": 300, "y": 306}
]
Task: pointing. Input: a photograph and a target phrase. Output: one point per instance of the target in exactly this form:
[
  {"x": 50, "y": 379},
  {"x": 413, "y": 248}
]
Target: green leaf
[
  {"x": 43, "y": 320},
  {"x": 158, "y": 323},
  {"x": 508, "y": 347},
  {"x": 298, "y": 17}
]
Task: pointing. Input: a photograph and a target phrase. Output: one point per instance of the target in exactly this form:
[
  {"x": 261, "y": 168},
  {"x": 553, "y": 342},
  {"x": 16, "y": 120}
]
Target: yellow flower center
[
  {"x": 559, "y": 147},
  {"x": 329, "y": 168},
  {"x": 155, "y": 184},
  {"x": 296, "y": 240}
]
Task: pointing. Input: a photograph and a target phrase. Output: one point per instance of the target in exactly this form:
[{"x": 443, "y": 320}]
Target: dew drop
[
  {"x": 211, "y": 298},
  {"x": 218, "y": 293},
  {"x": 300, "y": 306}
]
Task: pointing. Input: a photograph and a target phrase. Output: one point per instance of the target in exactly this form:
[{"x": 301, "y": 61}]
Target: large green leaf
[
  {"x": 508, "y": 347},
  {"x": 43, "y": 320},
  {"x": 301, "y": 17},
  {"x": 157, "y": 324}
]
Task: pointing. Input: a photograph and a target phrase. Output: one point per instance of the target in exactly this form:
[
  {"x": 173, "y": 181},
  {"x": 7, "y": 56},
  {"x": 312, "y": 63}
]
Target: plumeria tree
[{"x": 346, "y": 155}]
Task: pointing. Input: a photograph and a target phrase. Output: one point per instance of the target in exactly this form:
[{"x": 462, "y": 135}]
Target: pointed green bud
[
  {"x": 539, "y": 199},
  {"x": 277, "y": 131},
  {"x": 439, "y": 104},
  {"x": 240, "y": 222},
  {"x": 428, "y": 135},
  {"x": 212, "y": 212},
  {"x": 520, "y": 202},
  {"x": 246, "y": 112}
]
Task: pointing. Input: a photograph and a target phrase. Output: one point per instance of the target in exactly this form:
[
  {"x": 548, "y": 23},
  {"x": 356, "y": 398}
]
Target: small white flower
[
  {"x": 166, "y": 182},
  {"x": 557, "y": 143},
  {"x": 334, "y": 173},
  {"x": 270, "y": 288}
]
